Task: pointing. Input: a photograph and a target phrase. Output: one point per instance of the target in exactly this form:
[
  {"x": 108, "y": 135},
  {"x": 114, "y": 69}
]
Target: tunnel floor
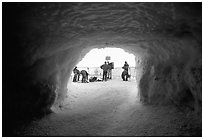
[{"x": 111, "y": 109}]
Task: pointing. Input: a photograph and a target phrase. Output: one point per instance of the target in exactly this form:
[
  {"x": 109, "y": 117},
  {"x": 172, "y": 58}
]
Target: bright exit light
[{"x": 97, "y": 57}]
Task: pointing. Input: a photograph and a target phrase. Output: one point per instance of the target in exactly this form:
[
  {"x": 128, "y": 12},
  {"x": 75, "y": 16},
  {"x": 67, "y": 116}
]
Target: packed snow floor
[{"x": 111, "y": 108}]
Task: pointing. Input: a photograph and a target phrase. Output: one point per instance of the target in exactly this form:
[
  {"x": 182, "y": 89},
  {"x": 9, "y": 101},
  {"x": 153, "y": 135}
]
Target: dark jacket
[
  {"x": 105, "y": 67},
  {"x": 76, "y": 71},
  {"x": 125, "y": 67},
  {"x": 84, "y": 73}
]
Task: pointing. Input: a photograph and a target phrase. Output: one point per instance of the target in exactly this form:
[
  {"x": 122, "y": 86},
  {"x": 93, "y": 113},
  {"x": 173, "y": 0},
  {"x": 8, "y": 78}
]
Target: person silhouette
[
  {"x": 125, "y": 74},
  {"x": 105, "y": 67}
]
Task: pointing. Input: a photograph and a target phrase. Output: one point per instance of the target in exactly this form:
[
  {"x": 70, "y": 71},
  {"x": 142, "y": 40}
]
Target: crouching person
[
  {"x": 125, "y": 75},
  {"x": 84, "y": 76}
]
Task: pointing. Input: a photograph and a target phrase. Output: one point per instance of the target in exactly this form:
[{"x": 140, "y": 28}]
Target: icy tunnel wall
[
  {"x": 43, "y": 41},
  {"x": 173, "y": 76}
]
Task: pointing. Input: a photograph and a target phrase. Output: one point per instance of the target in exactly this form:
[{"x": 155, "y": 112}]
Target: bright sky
[{"x": 96, "y": 57}]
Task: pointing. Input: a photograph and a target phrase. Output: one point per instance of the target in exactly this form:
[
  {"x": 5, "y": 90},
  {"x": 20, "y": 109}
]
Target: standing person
[
  {"x": 76, "y": 74},
  {"x": 105, "y": 67},
  {"x": 110, "y": 67},
  {"x": 125, "y": 74},
  {"x": 108, "y": 71}
]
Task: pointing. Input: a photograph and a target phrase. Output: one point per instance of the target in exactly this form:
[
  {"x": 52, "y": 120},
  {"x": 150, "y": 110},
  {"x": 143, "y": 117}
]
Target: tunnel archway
[
  {"x": 46, "y": 36},
  {"x": 79, "y": 54},
  {"x": 118, "y": 56}
]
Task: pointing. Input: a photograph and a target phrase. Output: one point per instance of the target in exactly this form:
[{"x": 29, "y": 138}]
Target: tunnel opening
[
  {"x": 91, "y": 63},
  {"x": 93, "y": 60}
]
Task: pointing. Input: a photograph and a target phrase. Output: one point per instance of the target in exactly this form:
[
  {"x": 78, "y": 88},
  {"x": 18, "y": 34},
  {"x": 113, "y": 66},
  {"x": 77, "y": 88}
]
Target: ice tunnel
[{"x": 42, "y": 42}]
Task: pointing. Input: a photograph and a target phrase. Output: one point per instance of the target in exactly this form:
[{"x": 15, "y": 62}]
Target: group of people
[
  {"x": 77, "y": 73},
  {"x": 107, "y": 72}
]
